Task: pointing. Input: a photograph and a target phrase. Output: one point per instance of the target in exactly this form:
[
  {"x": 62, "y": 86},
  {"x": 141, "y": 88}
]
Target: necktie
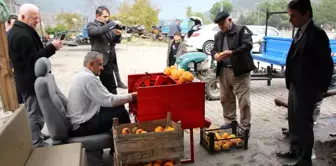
[{"x": 297, "y": 35}]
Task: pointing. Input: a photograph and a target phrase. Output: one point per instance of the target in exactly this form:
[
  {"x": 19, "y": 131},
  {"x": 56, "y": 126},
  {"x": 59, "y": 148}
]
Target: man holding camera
[{"x": 103, "y": 38}]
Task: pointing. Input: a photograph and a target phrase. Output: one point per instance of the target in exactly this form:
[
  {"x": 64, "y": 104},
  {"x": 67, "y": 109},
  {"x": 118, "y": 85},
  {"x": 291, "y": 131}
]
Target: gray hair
[
  {"x": 25, "y": 9},
  {"x": 92, "y": 56}
]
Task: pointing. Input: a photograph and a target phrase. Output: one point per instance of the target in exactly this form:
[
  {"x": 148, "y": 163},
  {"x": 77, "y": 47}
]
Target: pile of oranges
[{"x": 179, "y": 74}]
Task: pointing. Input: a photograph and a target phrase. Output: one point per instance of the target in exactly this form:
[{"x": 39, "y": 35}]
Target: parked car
[{"x": 203, "y": 39}]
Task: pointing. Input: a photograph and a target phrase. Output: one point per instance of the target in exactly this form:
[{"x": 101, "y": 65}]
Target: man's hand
[
  {"x": 57, "y": 44},
  {"x": 227, "y": 53},
  {"x": 117, "y": 32},
  {"x": 134, "y": 97},
  {"x": 219, "y": 56}
]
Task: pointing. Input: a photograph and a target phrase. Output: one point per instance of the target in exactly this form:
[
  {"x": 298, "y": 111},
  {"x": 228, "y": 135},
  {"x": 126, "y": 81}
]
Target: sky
[{"x": 171, "y": 9}]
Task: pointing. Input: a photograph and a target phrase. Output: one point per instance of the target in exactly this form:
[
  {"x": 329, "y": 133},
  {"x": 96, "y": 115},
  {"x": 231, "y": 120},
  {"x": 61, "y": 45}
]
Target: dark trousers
[
  {"x": 301, "y": 106},
  {"x": 107, "y": 78},
  {"x": 102, "y": 122}
]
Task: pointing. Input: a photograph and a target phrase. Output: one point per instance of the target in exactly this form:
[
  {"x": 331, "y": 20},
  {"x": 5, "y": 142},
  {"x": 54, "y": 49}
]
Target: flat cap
[{"x": 221, "y": 16}]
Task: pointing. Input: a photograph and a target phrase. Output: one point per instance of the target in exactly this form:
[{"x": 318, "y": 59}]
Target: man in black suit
[
  {"x": 309, "y": 69},
  {"x": 25, "y": 48},
  {"x": 103, "y": 39}
]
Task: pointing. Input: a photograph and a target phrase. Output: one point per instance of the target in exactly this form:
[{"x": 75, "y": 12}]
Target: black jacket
[
  {"x": 25, "y": 48},
  {"x": 103, "y": 39},
  {"x": 240, "y": 42},
  {"x": 309, "y": 63}
]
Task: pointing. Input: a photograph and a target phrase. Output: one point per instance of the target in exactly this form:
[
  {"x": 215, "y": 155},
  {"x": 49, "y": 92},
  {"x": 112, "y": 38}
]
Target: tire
[
  {"x": 207, "y": 47},
  {"x": 212, "y": 89}
]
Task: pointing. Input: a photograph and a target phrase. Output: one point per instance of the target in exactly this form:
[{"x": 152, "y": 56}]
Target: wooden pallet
[{"x": 148, "y": 147}]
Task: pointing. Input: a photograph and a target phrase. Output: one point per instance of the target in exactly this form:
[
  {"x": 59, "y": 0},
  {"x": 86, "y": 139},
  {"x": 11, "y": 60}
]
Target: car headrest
[{"x": 42, "y": 67}]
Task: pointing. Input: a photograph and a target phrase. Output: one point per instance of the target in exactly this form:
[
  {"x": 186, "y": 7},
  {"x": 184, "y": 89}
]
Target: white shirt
[{"x": 87, "y": 94}]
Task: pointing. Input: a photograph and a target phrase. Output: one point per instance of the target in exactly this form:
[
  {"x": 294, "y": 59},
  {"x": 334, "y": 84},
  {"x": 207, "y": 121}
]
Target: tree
[
  {"x": 217, "y": 7},
  {"x": 72, "y": 21},
  {"x": 189, "y": 11},
  {"x": 56, "y": 29},
  {"x": 141, "y": 12}
]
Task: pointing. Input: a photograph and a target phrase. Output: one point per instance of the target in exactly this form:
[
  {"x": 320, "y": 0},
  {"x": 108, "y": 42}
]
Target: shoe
[
  {"x": 122, "y": 85},
  {"x": 45, "y": 136},
  {"x": 286, "y": 133},
  {"x": 286, "y": 155},
  {"x": 299, "y": 164},
  {"x": 226, "y": 126}
]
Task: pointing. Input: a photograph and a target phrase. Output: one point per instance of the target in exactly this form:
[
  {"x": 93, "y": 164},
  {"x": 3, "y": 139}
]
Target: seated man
[{"x": 91, "y": 107}]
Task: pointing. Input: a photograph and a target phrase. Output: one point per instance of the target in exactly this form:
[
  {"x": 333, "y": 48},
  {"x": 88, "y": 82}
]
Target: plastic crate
[{"x": 211, "y": 142}]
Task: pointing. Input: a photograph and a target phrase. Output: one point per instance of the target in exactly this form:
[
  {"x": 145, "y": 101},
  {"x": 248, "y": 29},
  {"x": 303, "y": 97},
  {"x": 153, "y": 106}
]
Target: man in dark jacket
[
  {"x": 103, "y": 39},
  {"x": 173, "y": 28},
  {"x": 231, "y": 50},
  {"x": 25, "y": 47},
  {"x": 309, "y": 68}
]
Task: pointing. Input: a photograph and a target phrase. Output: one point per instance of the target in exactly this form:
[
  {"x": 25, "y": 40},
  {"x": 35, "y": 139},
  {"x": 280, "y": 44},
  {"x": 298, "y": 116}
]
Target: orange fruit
[
  {"x": 126, "y": 131},
  {"x": 167, "y": 71},
  {"x": 168, "y": 163},
  {"x": 226, "y": 146},
  {"x": 175, "y": 74},
  {"x": 182, "y": 79},
  {"x": 225, "y": 135},
  {"x": 158, "y": 129},
  {"x": 139, "y": 131},
  {"x": 173, "y": 67}
]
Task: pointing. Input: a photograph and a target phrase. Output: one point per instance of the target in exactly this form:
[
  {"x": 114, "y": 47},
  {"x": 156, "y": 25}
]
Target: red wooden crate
[{"x": 184, "y": 101}]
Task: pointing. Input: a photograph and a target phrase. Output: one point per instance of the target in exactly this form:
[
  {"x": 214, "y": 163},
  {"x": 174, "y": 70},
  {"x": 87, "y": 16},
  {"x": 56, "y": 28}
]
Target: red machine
[{"x": 159, "y": 94}]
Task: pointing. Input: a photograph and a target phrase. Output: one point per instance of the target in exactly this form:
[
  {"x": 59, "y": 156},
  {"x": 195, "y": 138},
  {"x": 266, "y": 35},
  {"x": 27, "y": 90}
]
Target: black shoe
[
  {"x": 298, "y": 164},
  {"x": 286, "y": 155},
  {"x": 122, "y": 85},
  {"x": 45, "y": 137},
  {"x": 286, "y": 133}
]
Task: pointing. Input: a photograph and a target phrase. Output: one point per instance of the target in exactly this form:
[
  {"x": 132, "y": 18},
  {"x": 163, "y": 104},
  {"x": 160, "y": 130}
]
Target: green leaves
[
  {"x": 141, "y": 12},
  {"x": 218, "y": 6}
]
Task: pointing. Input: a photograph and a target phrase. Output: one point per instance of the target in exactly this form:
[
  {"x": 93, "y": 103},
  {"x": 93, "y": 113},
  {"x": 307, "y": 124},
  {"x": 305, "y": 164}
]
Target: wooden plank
[
  {"x": 149, "y": 155},
  {"x": 7, "y": 84}
]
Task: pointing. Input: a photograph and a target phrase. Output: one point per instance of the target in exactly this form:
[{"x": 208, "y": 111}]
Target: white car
[{"x": 203, "y": 39}]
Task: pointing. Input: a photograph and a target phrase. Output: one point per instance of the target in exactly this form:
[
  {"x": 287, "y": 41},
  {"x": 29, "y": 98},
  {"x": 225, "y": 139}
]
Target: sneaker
[{"x": 122, "y": 85}]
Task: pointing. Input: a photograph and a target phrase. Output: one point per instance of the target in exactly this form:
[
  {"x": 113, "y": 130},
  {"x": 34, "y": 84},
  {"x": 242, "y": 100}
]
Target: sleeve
[
  {"x": 94, "y": 30},
  {"x": 214, "y": 49},
  {"x": 184, "y": 48},
  {"x": 97, "y": 92},
  {"x": 27, "y": 46},
  {"x": 245, "y": 37},
  {"x": 115, "y": 38},
  {"x": 324, "y": 60}
]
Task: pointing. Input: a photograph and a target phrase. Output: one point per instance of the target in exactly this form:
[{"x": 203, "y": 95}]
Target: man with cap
[{"x": 231, "y": 50}]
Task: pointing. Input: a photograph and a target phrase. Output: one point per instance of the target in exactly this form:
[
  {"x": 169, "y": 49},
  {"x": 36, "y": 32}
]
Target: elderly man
[
  {"x": 234, "y": 63},
  {"x": 25, "y": 47},
  {"x": 91, "y": 107}
]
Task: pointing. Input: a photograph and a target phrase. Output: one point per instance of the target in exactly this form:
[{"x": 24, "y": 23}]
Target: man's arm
[
  {"x": 97, "y": 92},
  {"x": 95, "y": 30},
  {"x": 26, "y": 46},
  {"x": 246, "y": 40},
  {"x": 115, "y": 38},
  {"x": 184, "y": 48},
  {"x": 324, "y": 62},
  {"x": 214, "y": 49}
]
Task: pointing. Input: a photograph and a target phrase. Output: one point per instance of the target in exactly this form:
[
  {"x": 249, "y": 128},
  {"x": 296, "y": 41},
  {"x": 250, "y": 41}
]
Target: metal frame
[{"x": 269, "y": 75}]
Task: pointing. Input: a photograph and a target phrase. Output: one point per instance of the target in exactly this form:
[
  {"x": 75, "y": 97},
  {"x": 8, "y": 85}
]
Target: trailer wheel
[{"x": 212, "y": 89}]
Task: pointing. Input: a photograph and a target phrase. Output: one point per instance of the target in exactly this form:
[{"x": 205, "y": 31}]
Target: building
[{"x": 12, "y": 6}]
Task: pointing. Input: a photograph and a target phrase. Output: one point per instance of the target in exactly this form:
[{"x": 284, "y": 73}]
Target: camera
[{"x": 119, "y": 27}]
